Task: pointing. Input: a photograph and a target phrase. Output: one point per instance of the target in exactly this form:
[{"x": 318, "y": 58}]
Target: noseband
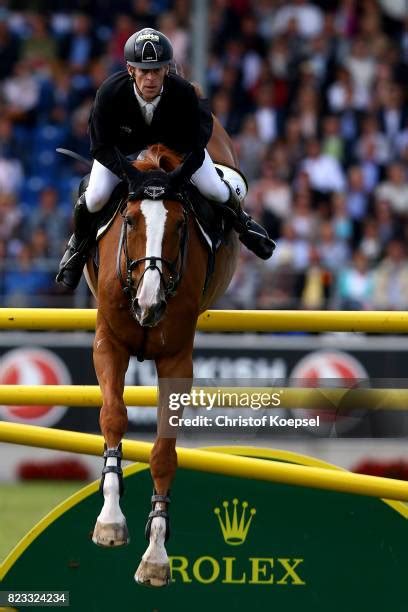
[{"x": 175, "y": 267}]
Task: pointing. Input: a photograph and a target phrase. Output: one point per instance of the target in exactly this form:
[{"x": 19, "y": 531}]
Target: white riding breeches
[
  {"x": 208, "y": 181},
  {"x": 102, "y": 182}
]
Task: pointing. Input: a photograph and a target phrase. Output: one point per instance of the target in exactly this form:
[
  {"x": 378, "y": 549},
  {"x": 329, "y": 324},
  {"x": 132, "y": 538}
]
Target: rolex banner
[{"x": 236, "y": 545}]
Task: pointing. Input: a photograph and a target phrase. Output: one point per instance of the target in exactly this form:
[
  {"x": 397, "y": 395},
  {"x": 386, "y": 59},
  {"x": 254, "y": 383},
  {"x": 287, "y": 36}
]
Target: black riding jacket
[{"x": 181, "y": 121}]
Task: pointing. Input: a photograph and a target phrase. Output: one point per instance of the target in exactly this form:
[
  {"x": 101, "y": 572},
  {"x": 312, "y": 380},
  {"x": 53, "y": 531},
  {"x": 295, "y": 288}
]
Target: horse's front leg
[
  {"x": 111, "y": 362},
  {"x": 154, "y": 568}
]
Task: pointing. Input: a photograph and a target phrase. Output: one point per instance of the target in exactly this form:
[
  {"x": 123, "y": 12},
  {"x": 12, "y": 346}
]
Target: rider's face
[{"x": 149, "y": 82}]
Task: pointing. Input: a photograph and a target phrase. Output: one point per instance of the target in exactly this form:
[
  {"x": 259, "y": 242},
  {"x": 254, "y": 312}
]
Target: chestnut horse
[{"x": 151, "y": 253}]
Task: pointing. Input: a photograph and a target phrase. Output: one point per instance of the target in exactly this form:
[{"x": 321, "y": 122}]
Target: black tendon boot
[
  {"x": 251, "y": 234},
  {"x": 79, "y": 245}
]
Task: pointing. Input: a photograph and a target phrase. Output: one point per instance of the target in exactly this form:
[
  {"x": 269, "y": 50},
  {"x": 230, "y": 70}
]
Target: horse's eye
[{"x": 130, "y": 220}]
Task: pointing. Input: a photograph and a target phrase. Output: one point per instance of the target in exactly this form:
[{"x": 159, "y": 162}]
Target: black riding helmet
[{"x": 148, "y": 48}]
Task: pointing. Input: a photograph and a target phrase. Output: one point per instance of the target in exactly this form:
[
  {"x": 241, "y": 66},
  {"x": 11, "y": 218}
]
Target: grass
[{"x": 23, "y": 504}]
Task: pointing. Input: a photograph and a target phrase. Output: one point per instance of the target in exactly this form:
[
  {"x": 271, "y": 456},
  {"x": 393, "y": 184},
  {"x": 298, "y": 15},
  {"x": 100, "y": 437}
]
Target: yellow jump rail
[
  {"x": 213, "y": 462},
  {"x": 340, "y": 400},
  {"x": 383, "y": 322}
]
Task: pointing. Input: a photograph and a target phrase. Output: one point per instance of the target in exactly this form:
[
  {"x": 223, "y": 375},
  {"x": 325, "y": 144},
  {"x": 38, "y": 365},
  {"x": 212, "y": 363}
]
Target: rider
[{"x": 152, "y": 106}]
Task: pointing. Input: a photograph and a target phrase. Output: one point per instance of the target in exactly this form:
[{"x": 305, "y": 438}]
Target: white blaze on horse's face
[{"x": 150, "y": 293}]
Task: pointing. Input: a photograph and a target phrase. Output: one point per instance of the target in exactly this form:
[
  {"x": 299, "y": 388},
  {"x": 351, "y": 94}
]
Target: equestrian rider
[{"x": 152, "y": 106}]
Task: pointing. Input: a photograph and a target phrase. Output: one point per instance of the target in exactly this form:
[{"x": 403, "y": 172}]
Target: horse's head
[{"x": 154, "y": 233}]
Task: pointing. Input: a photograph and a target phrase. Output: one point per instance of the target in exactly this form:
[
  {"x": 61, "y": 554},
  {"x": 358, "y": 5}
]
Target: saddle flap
[{"x": 108, "y": 214}]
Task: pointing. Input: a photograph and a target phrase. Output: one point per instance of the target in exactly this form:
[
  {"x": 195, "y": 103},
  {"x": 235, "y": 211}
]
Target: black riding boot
[
  {"x": 251, "y": 234},
  {"x": 79, "y": 245}
]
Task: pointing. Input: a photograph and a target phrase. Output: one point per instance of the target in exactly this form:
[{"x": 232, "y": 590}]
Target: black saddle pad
[{"x": 212, "y": 218}]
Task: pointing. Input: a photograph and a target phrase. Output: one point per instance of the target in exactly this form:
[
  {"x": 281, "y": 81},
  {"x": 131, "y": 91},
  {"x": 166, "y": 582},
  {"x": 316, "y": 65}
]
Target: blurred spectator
[
  {"x": 21, "y": 93},
  {"x": 39, "y": 48},
  {"x": 401, "y": 141},
  {"x": 266, "y": 116},
  {"x": 143, "y": 12},
  {"x": 80, "y": 45},
  {"x": 294, "y": 141},
  {"x": 307, "y": 108},
  {"x": 25, "y": 282},
  {"x": 179, "y": 37},
  {"x": 124, "y": 28},
  {"x": 356, "y": 198},
  {"x": 11, "y": 175},
  {"x": 392, "y": 115},
  {"x": 314, "y": 291},
  {"x": 9, "y": 145},
  {"x": 346, "y": 18},
  {"x": 372, "y": 142},
  {"x": 332, "y": 142},
  {"x": 223, "y": 109},
  {"x": 355, "y": 285},
  {"x": 387, "y": 225},
  {"x": 39, "y": 243},
  {"x": 333, "y": 252},
  {"x": 9, "y": 45},
  {"x": 250, "y": 149},
  {"x": 10, "y": 217},
  {"x": 395, "y": 189},
  {"x": 270, "y": 199},
  {"x": 371, "y": 170},
  {"x": 361, "y": 65},
  {"x": 325, "y": 173},
  {"x": 391, "y": 279},
  {"x": 290, "y": 250},
  {"x": 50, "y": 219},
  {"x": 370, "y": 244},
  {"x": 279, "y": 289},
  {"x": 307, "y": 16},
  {"x": 342, "y": 224},
  {"x": 243, "y": 289},
  {"x": 303, "y": 219}
]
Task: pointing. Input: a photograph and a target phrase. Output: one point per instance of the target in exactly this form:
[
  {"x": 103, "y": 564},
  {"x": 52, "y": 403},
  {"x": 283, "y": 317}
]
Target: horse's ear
[
  {"x": 182, "y": 171},
  {"x": 129, "y": 172}
]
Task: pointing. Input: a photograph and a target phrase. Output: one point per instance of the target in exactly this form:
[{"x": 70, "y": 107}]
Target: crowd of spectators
[{"x": 313, "y": 93}]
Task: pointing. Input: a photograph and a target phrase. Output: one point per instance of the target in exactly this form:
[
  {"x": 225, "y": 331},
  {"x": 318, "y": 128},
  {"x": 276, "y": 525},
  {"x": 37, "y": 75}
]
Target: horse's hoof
[
  {"x": 153, "y": 574},
  {"x": 110, "y": 534}
]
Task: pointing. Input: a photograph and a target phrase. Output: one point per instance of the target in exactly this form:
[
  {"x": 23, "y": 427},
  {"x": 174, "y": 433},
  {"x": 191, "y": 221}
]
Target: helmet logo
[
  {"x": 149, "y": 53},
  {"x": 147, "y": 37}
]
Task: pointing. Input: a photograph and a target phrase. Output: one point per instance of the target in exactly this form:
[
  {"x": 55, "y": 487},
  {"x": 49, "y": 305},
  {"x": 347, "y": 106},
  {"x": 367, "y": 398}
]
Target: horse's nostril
[{"x": 135, "y": 305}]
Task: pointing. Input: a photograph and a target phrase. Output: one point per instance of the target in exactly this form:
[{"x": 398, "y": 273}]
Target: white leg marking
[
  {"x": 154, "y": 568},
  {"x": 155, "y": 217},
  {"x": 156, "y": 552},
  {"x": 111, "y": 512}
]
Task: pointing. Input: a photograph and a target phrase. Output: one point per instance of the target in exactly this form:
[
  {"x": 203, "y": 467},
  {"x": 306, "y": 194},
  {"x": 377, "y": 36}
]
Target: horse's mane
[{"x": 158, "y": 156}]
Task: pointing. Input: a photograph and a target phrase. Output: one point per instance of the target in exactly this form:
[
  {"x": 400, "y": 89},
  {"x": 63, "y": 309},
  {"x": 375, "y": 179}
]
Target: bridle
[{"x": 175, "y": 268}]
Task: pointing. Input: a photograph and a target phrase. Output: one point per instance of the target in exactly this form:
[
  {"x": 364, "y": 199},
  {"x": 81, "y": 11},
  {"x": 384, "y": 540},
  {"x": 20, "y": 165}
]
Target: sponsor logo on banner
[
  {"x": 28, "y": 366},
  {"x": 234, "y": 521},
  {"x": 329, "y": 369}
]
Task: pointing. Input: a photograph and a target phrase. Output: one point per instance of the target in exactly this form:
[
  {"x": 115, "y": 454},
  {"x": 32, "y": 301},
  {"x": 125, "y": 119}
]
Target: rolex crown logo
[{"x": 234, "y": 529}]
